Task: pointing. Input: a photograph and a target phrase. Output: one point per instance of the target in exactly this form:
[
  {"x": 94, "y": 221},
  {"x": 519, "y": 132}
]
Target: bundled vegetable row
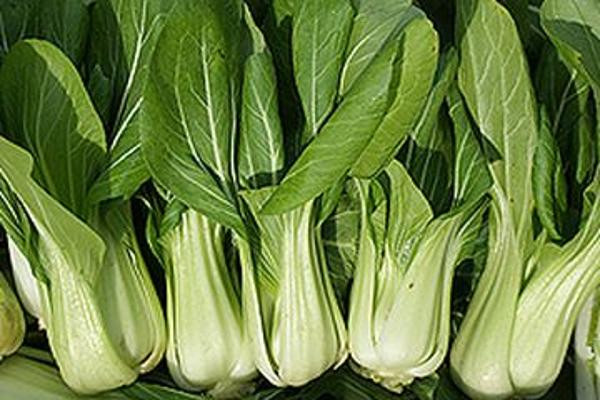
[{"x": 314, "y": 174}]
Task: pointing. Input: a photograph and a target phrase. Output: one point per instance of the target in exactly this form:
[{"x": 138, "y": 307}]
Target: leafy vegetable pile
[{"x": 293, "y": 199}]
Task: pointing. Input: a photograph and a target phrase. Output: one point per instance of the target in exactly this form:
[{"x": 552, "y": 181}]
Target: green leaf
[
  {"x": 549, "y": 186},
  {"x": 17, "y": 21},
  {"x": 331, "y": 154},
  {"x": 566, "y": 93},
  {"x": 590, "y": 196},
  {"x": 189, "y": 112},
  {"x": 472, "y": 179},
  {"x": 494, "y": 79},
  {"x": 446, "y": 389},
  {"x": 278, "y": 34},
  {"x": 424, "y": 131},
  {"x": 426, "y": 388},
  {"x": 31, "y": 372},
  {"x": 375, "y": 23},
  {"x": 419, "y": 53},
  {"x": 150, "y": 391},
  {"x": 471, "y": 176},
  {"x": 344, "y": 384},
  {"x": 261, "y": 152},
  {"x": 65, "y": 23},
  {"x": 18, "y": 227},
  {"x": 340, "y": 239},
  {"x": 118, "y": 70},
  {"x": 427, "y": 154},
  {"x": 574, "y": 28},
  {"x": 44, "y": 108},
  {"x": 319, "y": 37},
  {"x": 519, "y": 10},
  {"x": 72, "y": 255},
  {"x": 409, "y": 211},
  {"x": 80, "y": 245},
  {"x": 19, "y": 375},
  {"x": 339, "y": 384}
]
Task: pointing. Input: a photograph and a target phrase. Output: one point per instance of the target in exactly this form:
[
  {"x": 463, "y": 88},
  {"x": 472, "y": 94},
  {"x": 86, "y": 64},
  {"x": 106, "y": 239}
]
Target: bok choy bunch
[
  {"x": 573, "y": 30},
  {"x": 355, "y": 111},
  {"x": 12, "y": 322},
  {"x": 517, "y": 328},
  {"x": 68, "y": 261},
  {"x": 77, "y": 260},
  {"x": 292, "y": 315},
  {"x": 208, "y": 347},
  {"x": 400, "y": 304},
  {"x": 212, "y": 106},
  {"x": 190, "y": 111},
  {"x": 292, "y": 311}
]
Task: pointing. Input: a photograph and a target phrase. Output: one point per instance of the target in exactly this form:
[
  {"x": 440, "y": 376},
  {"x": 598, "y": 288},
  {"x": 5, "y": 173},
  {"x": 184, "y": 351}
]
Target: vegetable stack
[{"x": 296, "y": 198}]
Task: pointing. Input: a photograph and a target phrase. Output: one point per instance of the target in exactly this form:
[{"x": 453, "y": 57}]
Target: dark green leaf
[
  {"x": 45, "y": 108},
  {"x": 124, "y": 34},
  {"x": 549, "y": 186},
  {"x": 426, "y": 388},
  {"x": 428, "y": 153},
  {"x": 150, "y": 391},
  {"x": 331, "y": 154},
  {"x": 261, "y": 152},
  {"x": 18, "y": 20},
  {"x": 65, "y": 23},
  {"x": 574, "y": 27},
  {"x": 340, "y": 238},
  {"x": 189, "y": 112},
  {"x": 565, "y": 93},
  {"x": 278, "y": 34},
  {"x": 494, "y": 79},
  {"x": 419, "y": 53},
  {"x": 374, "y": 24},
  {"x": 319, "y": 37},
  {"x": 471, "y": 176}
]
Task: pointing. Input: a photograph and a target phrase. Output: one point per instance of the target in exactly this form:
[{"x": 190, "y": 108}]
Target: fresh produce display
[{"x": 300, "y": 199}]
